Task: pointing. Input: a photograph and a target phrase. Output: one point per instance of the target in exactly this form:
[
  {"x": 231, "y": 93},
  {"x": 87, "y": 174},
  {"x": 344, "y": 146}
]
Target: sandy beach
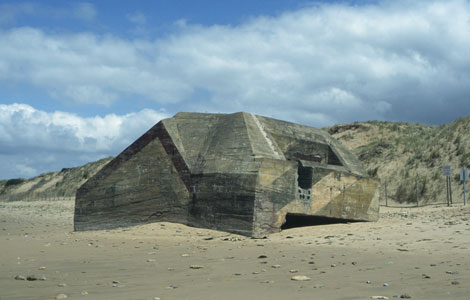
[{"x": 417, "y": 253}]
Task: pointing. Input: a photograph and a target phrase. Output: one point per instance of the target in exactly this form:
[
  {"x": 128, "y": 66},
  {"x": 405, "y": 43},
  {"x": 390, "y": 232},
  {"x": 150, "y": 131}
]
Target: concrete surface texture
[{"x": 239, "y": 173}]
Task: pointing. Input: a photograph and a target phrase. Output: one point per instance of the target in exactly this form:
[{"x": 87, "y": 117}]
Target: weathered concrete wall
[
  {"x": 332, "y": 193},
  {"x": 223, "y": 202},
  {"x": 140, "y": 185},
  {"x": 274, "y": 190}
]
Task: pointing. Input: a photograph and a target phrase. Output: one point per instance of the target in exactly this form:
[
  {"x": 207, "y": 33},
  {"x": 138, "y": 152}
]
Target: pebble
[
  {"x": 62, "y": 285},
  {"x": 20, "y": 277},
  {"x": 318, "y": 286},
  {"x": 83, "y": 293},
  {"x": 268, "y": 281},
  {"x": 455, "y": 282},
  {"x": 275, "y": 266},
  {"x": 42, "y": 268},
  {"x": 300, "y": 278},
  {"x": 151, "y": 260},
  {"x": 405, "y": 296},
  {"x": 31, "y": 278},
  {"x": 368, "y": 282},
  {"x": 385, "y": 284},
  {"x": 61, "y": 296},
  {"x": 379, "y": 297},
  {"x": 293, "y": 271},
  {"x": 196, "y": 267}
]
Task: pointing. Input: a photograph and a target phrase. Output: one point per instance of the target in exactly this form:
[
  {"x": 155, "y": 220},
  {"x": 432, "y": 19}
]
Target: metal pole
[
  {"x": 464, "y": 196},
  {"x": 450, "y": 190},
  {"x": 417, "y": 198},
  {"x": 447, "y": 190},
  {"x": 386, "y": 199}
]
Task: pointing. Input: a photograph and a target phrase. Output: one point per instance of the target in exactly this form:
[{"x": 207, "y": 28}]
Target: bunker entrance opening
[{"x": 297, "y": 220}]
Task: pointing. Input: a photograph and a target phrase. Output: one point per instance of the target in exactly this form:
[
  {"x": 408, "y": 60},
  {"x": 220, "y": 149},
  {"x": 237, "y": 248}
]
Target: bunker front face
[{"x": 239, "y": 173}]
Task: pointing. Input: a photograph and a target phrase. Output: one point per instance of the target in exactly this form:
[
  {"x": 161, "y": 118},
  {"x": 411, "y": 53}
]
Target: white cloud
[
  {"x": 26, "y": 171},
  {"x": 317, "y": 65},
  {"x": 85, "y": 11},
  {"x": 9, "y": 11},
  {"x": 63, "y": 139},
  {"x": 137, "y": 18}
]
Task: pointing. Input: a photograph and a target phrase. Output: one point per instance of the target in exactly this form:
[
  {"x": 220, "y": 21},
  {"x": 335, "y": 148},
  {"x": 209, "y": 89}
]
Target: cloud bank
[
  {"x": 399, "y": 60},
  {"x": 328, "y": 63},
  {"x": 35, "y": 141}
]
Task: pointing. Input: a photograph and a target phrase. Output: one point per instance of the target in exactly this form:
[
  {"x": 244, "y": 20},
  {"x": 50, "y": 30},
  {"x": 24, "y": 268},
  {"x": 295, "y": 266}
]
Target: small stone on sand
[
  {"x": 196, "y": 267},
  {"x": 300, "y": 278}
]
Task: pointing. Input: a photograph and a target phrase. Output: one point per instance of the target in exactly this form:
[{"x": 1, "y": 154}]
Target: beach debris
[
  {"x": 195, "y": 267},
  {"x": 31, "y": 278},
  {"x": 300, "y": 278},
  {"x": 232, "y": 239},
  {"x": 267, "y": 281}
]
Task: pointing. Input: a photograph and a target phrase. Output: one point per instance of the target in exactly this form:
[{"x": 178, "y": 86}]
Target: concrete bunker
[{"x": 240, "y": 173}]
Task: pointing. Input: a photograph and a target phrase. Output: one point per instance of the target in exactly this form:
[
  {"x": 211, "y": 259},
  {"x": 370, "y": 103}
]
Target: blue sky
[{"x": 81, "y": 80}]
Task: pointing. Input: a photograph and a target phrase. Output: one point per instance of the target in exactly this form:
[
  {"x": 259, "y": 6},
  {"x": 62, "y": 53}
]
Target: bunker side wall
[
  {"x": 144, "y": 188},
  {"x": 223, "y": 201}
]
